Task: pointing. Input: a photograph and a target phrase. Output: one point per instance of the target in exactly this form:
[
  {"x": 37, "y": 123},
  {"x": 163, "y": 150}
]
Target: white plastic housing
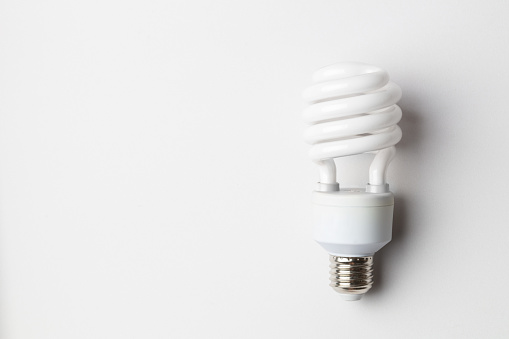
[{"x": 352, "y": 222}]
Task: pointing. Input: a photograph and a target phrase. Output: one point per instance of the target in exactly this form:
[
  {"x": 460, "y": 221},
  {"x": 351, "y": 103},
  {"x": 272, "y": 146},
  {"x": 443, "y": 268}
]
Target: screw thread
[{"x": 351, "y": 276}]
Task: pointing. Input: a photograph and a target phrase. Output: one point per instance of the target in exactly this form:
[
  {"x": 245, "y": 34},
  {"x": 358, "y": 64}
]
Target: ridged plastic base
[{"x": 351, "y": 277}]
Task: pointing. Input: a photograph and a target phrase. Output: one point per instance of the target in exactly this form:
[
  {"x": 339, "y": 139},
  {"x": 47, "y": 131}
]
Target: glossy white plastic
[{"x": 352, "y": 222}]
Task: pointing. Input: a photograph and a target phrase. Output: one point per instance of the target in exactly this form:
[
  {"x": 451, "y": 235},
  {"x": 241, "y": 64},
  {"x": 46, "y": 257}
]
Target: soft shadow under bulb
[{"x": 352, "y": 110}]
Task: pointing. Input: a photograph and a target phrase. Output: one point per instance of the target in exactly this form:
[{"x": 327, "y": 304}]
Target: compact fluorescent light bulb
[{"x": 352, "y": 111}]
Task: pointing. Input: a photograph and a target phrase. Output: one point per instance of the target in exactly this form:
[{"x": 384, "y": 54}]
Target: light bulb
[{"x": 352, "y": 111}]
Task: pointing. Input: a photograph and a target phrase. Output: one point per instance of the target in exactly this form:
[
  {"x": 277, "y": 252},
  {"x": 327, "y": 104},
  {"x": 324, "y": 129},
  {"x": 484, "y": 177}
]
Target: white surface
[
  {"x": 361, "y": 101},
  {"x": 154, "y": 182},
  {"x": 351, "y": 222}
]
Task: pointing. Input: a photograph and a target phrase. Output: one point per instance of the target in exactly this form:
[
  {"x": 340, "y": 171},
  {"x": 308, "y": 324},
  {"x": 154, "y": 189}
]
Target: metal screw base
[{"x": 351, "y": 277}]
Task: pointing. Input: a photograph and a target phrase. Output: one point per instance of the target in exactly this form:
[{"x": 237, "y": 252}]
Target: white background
[{"x": 154, "y": 182}]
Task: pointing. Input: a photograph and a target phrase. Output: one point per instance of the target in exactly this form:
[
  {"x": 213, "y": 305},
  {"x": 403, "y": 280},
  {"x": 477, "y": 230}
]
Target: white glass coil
[{"x": 352, "y": 110}]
